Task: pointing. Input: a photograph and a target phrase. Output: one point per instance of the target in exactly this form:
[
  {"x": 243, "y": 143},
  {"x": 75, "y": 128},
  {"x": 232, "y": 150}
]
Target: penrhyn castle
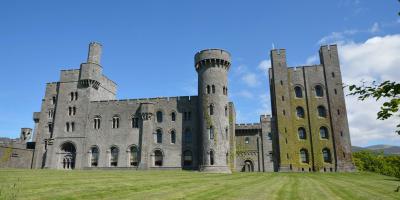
[{"x": 81, "y": 124}]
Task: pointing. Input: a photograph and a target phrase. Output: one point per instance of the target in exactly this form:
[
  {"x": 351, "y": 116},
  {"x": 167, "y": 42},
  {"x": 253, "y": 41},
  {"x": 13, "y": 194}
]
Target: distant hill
[{"x": 387, "y": 149}]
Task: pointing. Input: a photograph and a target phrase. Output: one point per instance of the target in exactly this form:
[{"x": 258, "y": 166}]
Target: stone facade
[{"x": 81, "y": 124}]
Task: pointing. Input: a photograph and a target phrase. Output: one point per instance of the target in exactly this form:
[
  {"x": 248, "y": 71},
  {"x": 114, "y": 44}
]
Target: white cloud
[
  {"x": 265, "y": 104},
  {"x": 264, "y": 66},
  {"x": 375, "y": 59},
  {"x": 338, "y": 37},
  {"x": 312, "y": 60},
  {"x": 244, "y": 94},
  {"x": 250, "y": 79},
  {"x": 375, "y": 28}
]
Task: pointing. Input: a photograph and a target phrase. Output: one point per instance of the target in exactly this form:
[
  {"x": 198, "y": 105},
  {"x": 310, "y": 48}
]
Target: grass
[{"x": 125, "y": 184}]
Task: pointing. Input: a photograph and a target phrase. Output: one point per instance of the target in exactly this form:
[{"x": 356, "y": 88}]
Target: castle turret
[
  {"x": 91, "y": 71},
  {"x": 212, "y": 66}
]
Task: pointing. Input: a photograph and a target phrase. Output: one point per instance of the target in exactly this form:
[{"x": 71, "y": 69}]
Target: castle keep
[{"x": 81, "y": 124}]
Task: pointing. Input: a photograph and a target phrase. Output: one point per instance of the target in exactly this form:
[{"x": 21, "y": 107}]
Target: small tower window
[
  {"x": 208, "y": 89},
  {"x": 72, "y": 96},
  {"x": 223, "y": 90},
  {"x": 51, "y": 114},
  {"x": 76, "y": 96},
  {"x": 327, "y": 155},
  {"x": 158, "y": 136},
  {"x": 300, "y": 112},
  {"x": 226, "y": 132},
  {"x": 298, "y": 92},
  {"x": 333, "y": 74},
  {"x": 50, "y": 125},
  {"x": 246, "y": 140},
  {"x": 115, "y": 122},
  {"x": 304, "y": 156},
  {"x": 159, "y": 116},
  {"x": 173, "y": 116},
  {"x": 135, "y": 122},
  {"x": 173, "y": 137},
  {"x": 53, "y": 100},
  {"x": 283, "y": 98},
  {"x": 213, "y": 89},
  {"x": 319, "y": 91},
  {"x": 226, "y": 111},
  {"x": 69, "y": 111},
  {"x": 323, "y": 132},
  {"x": 72, "y": 126},
  {"x": 211, "y": 109},
  {"x": 302, "y": 133},
  {"x": 321, "y": 111},
  {"x": 73, "y": 110},
  {"x": 211, "y": 132},
  {"x": 96, "y": 123},
  {"x": 335, "y": 90},
  {"x": 67, "y": 128},
  {"x": 211, "y": 157}
]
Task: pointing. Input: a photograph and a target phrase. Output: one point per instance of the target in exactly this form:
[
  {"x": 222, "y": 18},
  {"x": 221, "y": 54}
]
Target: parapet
[
  {"x": 247, "y": 126},
  {"x": 212, "y": 55}
]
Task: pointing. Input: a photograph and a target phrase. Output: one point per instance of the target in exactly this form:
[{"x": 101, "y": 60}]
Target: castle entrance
[
  {"x": 248, "y": 166},
  {"x": 68, "y": 154}
]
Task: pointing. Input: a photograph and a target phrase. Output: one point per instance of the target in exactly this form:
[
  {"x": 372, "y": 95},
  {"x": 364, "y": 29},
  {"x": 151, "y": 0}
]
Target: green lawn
[{"x": 126, "y": 184}]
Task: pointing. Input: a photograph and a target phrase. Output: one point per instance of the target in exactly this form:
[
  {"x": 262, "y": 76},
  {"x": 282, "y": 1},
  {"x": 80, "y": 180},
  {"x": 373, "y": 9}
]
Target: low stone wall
[{"x": 11, "y": 157}]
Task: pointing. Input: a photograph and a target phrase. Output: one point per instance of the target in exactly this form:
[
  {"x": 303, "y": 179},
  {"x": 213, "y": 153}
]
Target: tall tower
[{"x": 212, "y": 66}]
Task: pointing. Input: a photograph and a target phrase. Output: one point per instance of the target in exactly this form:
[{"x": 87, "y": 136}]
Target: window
[
  {"x": 187, "y": 158},
  {"x": 70, "y": 111},
  {"x": 50, "y": 125},
  {"x": 226, "y": 111},
  {"x": 208, "y": 89},
  {"x": 73, "y": 110},
  {"x": 211, "y": 157},
  {"x": 188, "y": 136},
  {"x": 335, "y": 90},
  {"x": 159, "y": 116},
  {"x": 211, "y": 132},
  {"x": 223, "y": 90},
  {"x": 185, "y": 116},
  {"x": 158, "y": 136},
  {"x": 76, "y": 96},
  {"x": 281, "y": 82},
  {"x": 300, "y": 112},
  {"x": 73, "y": 96},
  {"x": 226, "y": 90},
  {"x": 226, "y": 132},
  {"x": 173, "y": 137},
  {"x": 338, "y": 112},
  {"x": 283, "y": 98},
  {"x": 323, "y": 132},
  {"x": 327, "y": 155},
  {"x": 189, "y": 117},
  {"x": 283, "y": 112},
  {"x": 72, "y": 126},
  {"x": 158, "y": 158},
  {"x": 333, "y": 74},
  {"x": 213, "y": 89},
  {"x": 211, "y": 109},
  {"x": 302, "y": 133},
  {"x": 115, "y": 122},
  {"x": 303, "y": 156},
  {"x": 298, "y": 92},
  {"x": 51, "y": 114},
  {"x": 341, "y": 133},
  {"x": 53, "y": 100},
  {"x": 319, "y": 92},
  {"x": 96, "y": 122},
  {"x": 246, "y": 140},
  {"x": 321, "y": 111},
  {"x": 173, "y": 116},
  {"x": 67, "y": 128},
  {"x": 133, "y": 158},
  {"x": 114, "y": 157},
  {"x": 269, "y": 136},
  {"x": 94, "y": 157},
  {"x": 135, "y": 122}
]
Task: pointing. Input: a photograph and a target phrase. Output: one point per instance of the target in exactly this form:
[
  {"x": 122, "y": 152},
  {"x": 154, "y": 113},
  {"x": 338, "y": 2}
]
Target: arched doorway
[
  {"x": 248, "y": 166},
  {"x": 158, "y": 158},
  {"x": 68, "y": 154}
]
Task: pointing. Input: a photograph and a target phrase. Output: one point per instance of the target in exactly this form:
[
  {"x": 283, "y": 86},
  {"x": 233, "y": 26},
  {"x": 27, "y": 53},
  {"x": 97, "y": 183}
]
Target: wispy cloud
[
  {"x": 264, "y": 66},
  {"x": 346, "y": 36},
  {"x": 250, "y": 79},
  {"x": 312, "y": 60}
]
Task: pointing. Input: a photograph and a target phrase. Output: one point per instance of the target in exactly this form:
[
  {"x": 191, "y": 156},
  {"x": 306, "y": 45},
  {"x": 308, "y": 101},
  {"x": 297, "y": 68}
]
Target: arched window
[
  {"x": 173, "y": 116},
  {"x": 96, "y": 122},
  {"x": 159, "y": 116},
  {"x": 211, "y": 132},
  {"x": 211, "y": 157},
  {"x": 133, "y": 158},
  {"x": 158, "y": 158},
  {"x": 115, "y": 122},
  {"x": 173, "y": 137},
  {"x": 73, "y": 110},
  {"x": 298, "y": 92},
  {"x": 300, "y": 112},
  {"x": 319, "y": 91},
  {"x": 51, "y": 114},
  {"x": 211, "y": 109},
  {"x": 323, "y": 132},
  {"x": 321, "y": 111},
  {"x": 302, "y": 133},
  {"x": 208, "y": 89},
  {"x": 76, "y": 96},
  {"x": 304, "y": 156},
  {"x": 327, "y": 155},
  {"x": 53, "y": 100},
  {"x": 114, "y": 157},
  {"x": 187, "y": 158},
  {"x": 72, "y": 96},
  {"x": 158, "y": 136},
  {"x": 246, "y": 140},
  {"x": 67, "y": 128},
  {"x": 213, "y": 89},
  {"x": 223, "y": 90},
  {"x": 70, "y": 111},
  {"x": 94, "y": 159},
  {"x": 188, "y": 136}
]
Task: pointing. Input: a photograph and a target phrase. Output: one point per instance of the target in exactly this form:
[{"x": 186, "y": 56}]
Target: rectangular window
[{"x": 211, "y": 132}]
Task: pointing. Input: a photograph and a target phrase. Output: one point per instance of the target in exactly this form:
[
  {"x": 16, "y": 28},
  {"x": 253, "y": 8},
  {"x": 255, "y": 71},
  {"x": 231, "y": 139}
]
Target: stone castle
[{"x": 81, "y": 124}]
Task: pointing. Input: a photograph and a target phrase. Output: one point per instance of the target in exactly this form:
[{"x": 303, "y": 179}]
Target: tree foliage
[
  {"x": 387, "y": 90},
  {"x": 377, "y": 162}
]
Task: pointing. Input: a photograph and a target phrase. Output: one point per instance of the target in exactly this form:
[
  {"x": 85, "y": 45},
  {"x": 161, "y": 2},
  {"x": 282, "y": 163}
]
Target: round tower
[{"x": 212, "y": 66}]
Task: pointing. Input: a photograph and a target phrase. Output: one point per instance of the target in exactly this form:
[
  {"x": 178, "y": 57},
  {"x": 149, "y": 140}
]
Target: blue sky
[{"x": 148, "y": 48}]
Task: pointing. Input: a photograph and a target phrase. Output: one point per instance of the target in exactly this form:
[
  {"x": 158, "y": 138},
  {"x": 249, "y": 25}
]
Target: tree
[{"x": 387, "y": 90}]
